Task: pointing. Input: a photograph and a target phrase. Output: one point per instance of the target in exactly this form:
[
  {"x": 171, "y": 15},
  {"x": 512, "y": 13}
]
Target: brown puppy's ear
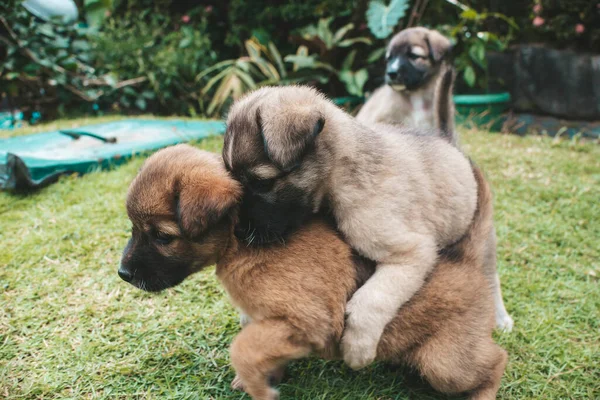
[
  {"x": 290, "y": 134},
  {"x": 204, "y": 202},
  {"x": 438, "y": 45}
]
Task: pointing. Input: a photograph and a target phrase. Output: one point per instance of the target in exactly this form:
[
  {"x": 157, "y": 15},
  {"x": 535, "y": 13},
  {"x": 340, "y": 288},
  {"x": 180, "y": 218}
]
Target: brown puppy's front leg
[
  {"x": 374, "y": 305},
  {"x": 260, "y": 351}
]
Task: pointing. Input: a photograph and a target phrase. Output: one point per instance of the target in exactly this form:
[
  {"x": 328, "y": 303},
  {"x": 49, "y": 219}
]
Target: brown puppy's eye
[
  {"x": 414, "y": 56},
  {"x": 163, "y": 238}
]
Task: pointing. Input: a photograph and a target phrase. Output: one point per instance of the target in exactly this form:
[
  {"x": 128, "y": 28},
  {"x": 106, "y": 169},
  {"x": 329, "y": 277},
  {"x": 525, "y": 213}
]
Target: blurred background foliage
[{"x": 194, "y": 58}]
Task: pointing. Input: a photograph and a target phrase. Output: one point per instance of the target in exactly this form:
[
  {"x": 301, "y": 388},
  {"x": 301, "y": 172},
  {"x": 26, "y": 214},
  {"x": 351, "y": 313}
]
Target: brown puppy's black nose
[{"x": 125, "y": 274}]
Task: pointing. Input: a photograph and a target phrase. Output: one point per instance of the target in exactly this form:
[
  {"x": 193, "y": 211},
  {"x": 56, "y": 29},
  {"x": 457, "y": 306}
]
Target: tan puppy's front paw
[
  {"x": 237, "y": 384},
  {"x": 361, "y": 335},
  {"x": 358, "y": 349}
]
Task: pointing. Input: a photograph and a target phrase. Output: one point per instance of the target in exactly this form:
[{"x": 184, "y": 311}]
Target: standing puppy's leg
[
  {"x": 259, "y": 353},
  {"x": 503, "y": 320},
  {"x": 376, "y": 303}
]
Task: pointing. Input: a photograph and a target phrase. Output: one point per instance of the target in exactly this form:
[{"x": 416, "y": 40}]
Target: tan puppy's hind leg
[
  {"x": 376, "y": 303},
  {"x": 259, "y": 353}
]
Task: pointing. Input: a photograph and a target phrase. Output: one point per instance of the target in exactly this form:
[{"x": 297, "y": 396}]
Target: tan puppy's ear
[
  {"x": 438, "y": 45},
  {"x": 204, "y": 201},
  {"x": 290, "y": 134}
]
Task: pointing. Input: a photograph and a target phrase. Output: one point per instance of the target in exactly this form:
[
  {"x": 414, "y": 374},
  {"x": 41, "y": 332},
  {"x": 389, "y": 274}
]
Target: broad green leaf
[
  {"x": 80, "y": 45},
  {"x": 469, "y": 14},
  {"x": 141, "y": 103},
  {"x": 96, "y": 11},
  {"x": 302, "y": 51},
  {"x": 382, "y": 19},
  {"x": 207, "y": 71},
  {"x": 354, "y": 81},
  {"x": 253, "y": 48},
  {"x": 350, "y": 42},
  {"x": 277, "y": 58},
  {"x": 349, "y": 60},
  {"x": 376, "y": 55},
  {"x": 247, "y": 79},
  {"x": 361, "y": 76},
  {"x": 110, "y": 79},
  {"x": 95, "y": 15},
  {"x": 185, "y": 42},
  {"x": 46, "y": 29},
  {"x": 340, "y": 33},
  {"x": 324, "y": 32},
  {"x": 301, "y": 61},
  {"x": 477, "y": 53},
  {"x": 469, "y": 76}
]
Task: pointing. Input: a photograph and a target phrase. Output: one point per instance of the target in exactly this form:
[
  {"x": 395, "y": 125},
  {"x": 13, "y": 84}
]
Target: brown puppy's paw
[
  {"x": 237, "y": 384},
  {"x": 273, "y": 394}
]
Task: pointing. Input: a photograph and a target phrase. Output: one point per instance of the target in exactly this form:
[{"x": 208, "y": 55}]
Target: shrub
[
  {"x": 567, "y": 23},
  {"x": 44, "y": 63},
  {"x": 165, "y": 54}
]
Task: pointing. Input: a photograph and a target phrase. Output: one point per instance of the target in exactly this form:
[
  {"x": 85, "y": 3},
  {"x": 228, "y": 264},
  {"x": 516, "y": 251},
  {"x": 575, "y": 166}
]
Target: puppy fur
[
  {"x": 292, "y": 306},
  {"x": 397, "y": 196},
  {"x": 415, "y": 74}
]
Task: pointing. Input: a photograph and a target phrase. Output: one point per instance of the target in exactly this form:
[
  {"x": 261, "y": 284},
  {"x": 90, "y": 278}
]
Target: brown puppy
[
  {"x": 183, "y": 206},
  {"x": 416, "y": 65}
]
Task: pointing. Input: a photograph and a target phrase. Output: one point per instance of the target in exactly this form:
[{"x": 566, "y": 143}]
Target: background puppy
[
  {"x": 398, "y": 197},
  {"x": 183, "y": 206},
  {"x": 416, "y": 64}
]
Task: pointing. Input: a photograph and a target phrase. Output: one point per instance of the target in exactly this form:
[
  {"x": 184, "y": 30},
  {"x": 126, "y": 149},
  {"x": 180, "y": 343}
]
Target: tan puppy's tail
[
  {"x": 444, "y": 105},
  {"x": 472, "y": 247}
]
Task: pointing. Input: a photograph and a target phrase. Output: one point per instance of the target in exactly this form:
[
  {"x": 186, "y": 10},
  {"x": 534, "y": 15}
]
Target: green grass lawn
[{"x": 70, "y": 328}]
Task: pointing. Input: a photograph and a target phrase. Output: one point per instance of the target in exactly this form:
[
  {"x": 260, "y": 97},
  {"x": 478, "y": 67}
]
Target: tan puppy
[
  {"x": 183, "y": 206},
  {"x": 418, "y": 93},
  {"x": 397, "y": 196},
  {"x": 416, "y": 63}
]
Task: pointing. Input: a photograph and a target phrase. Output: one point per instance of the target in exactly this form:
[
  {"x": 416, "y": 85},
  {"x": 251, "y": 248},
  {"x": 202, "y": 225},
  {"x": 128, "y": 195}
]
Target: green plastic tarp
[{"x": 33, "y": 161}]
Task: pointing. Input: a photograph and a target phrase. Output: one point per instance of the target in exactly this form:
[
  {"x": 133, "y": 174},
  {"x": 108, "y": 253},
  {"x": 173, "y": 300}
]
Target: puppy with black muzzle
[
  {"x": 184, "y": 205},
  {"x": 416, "y": 74}
]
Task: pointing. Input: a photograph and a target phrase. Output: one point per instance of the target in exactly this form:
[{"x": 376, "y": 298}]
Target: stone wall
[{"x": 560, "y": 83}]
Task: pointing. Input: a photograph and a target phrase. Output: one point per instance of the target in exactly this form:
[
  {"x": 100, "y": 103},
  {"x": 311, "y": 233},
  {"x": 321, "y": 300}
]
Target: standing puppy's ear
[
  {"x": 204, "y": 200},
  {"x": 290, "y": 134},
  {"x": 438, "y": 45}
]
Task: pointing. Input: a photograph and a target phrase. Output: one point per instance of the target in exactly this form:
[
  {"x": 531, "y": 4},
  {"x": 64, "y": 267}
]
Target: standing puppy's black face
[{"x": 413, "y": 57}]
